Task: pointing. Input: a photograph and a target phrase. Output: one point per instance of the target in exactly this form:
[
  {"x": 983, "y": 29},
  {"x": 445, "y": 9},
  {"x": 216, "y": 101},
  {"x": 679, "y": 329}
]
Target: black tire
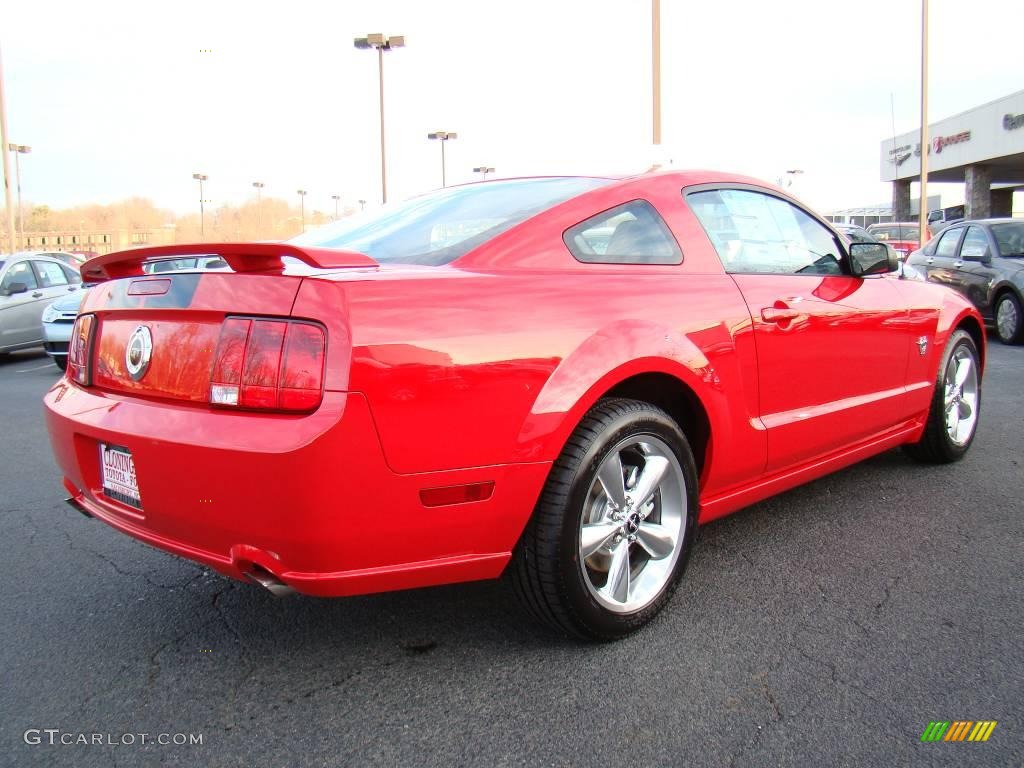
[
  {"x": 546, "y": 572},
  {"x": 61, "y": 362},
  {"x": 1015, "y": 334},
  {"x": 936, "y": 446}
]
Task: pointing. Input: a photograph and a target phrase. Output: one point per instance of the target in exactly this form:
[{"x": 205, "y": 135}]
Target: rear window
[
  {"x": 1009, "y": 237},
  {"x": 443, "y": 225},
  {"x": 894, "y": 232}
]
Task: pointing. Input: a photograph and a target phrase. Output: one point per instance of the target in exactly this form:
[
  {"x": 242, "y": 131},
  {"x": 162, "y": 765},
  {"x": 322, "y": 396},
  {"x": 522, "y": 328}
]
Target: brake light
[
  {"x": 268, "y": 365},
  {"x": 80, "y": 349}
]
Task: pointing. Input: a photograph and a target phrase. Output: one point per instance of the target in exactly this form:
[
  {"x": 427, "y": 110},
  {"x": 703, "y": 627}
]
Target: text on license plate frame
[{"x": 117, "y": 475}]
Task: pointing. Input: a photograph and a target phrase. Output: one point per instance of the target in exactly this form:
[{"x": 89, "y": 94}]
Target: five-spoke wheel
[{"x": 612, "y": 532}]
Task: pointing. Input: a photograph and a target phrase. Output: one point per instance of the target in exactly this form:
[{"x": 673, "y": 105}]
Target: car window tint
[
  {"x": 1009, "y": 237},
  {"x": 975, "y": 245},
  {"x": 20, "y": 273},
  {"x": 757, "y": 233},
  {"x": 946, "y": 246},
  {"x": 633, "y": 233},
  {"x": 50, "y": 274}
]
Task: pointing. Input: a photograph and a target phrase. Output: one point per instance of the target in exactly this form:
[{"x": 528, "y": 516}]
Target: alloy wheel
[
  {"x": 633, "y": 524},
  {"x": 961, "y": 395}
]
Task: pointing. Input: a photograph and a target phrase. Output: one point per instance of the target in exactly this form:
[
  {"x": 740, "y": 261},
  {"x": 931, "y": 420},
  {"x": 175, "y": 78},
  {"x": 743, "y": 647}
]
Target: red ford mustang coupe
[{"x": 554, "y": 377}]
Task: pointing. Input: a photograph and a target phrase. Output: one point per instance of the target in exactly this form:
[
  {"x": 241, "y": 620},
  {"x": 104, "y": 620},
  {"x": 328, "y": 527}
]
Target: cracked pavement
[{"x": 826, "y": 626}]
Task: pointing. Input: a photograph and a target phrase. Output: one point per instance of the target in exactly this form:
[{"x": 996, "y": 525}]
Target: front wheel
[
  {"x": 1009, "y": 319},
  {"x": 612, "y": 532},
  {"x": 956, "y": 404}
]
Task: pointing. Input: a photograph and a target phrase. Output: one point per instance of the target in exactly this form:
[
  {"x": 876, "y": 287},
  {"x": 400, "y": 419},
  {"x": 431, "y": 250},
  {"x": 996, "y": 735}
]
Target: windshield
[
  {"x": 1009, "y": 237},
  {"x": 441, "y": 226},
  {"x": 894, "y": 232}
]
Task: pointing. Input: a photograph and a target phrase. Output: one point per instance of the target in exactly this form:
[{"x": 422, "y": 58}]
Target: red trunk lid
[{"x": 183, "y": 314}]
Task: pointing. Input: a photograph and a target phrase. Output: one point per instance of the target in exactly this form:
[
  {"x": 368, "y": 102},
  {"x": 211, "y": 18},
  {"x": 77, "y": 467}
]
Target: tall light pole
[
  {"x": 335, "y": 198},
  {"x": 201, "y": 177},
  {"x": 19, "y": 149},
  {"x": 443, "y": 137},
  {"x": 656, "y": 71},
  {"x": 259, "y": 203},
  {"x": 484, "y": 170},
  {"x": 6, "y": 166},
  {"x": 381, "y": 43},
  {"x": 922, "y": 206},
  {"x": 302, "y": 206},
  {"x": 362, "y": 205}
]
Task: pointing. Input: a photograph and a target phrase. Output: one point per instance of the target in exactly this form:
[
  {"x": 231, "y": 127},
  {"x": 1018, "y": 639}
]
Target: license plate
[{"x": 117, "y": 472}]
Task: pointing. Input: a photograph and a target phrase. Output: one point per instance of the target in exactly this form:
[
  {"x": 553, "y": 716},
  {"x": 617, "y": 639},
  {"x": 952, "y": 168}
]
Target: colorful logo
[{"x": 958, "y": 730}]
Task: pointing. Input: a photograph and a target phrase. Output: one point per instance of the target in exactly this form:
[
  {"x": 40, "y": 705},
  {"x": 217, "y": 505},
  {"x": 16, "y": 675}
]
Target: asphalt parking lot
[{"x": 826, "y": 626}]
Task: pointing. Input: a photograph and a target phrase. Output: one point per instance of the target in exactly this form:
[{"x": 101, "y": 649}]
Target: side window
[
  {"x": 757, "y": 233},
  {"x": 633, "y": 233},
  {"x": 20, "y": 273},
  {"x": 946, "y": 247},
  {"x": 50, "y": 274},
  {"x": 74, "y": 278},
  {"x": 975, "y": 245}
]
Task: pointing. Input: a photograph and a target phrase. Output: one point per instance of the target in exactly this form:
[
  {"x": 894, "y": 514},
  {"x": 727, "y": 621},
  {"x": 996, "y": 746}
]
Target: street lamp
[
  {"x": 201, "y": 177},
  {"x": 484, "y": 170},
  {"x": 302, "y": 205},
  {"x": 362, "y": 205},
  {"x": 443, "y": 137},
  {"x": 381, "y": 43},
  {"x": 19, "y": 149},
  {"x": 335, "y": 198},
  {"x": 259, "y": 203}
]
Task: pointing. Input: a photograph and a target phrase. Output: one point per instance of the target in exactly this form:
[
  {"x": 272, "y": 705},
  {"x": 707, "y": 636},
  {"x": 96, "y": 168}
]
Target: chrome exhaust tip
[
  {"x": 269, "y": 582},
  {"x": 76, "y": 505}
]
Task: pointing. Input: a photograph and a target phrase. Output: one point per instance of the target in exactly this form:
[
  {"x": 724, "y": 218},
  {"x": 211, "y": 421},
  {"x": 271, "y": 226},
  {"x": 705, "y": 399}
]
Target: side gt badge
[{"x": 922, "y": 344}]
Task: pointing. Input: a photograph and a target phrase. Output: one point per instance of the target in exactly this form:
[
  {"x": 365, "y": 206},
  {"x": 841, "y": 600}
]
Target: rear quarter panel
[{"x": 496, "y": 359}]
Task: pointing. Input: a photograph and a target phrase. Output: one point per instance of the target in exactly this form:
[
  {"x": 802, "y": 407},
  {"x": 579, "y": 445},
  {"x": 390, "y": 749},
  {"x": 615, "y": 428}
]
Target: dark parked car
[{"x": 984, "y": 260}]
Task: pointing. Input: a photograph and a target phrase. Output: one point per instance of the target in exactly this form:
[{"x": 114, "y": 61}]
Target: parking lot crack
[
  {"x": 889, "y": 586},
  {"x": 121, "y": 571}
]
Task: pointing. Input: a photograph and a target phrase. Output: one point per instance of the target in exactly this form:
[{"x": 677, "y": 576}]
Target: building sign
[
  {"x": 944, "y": 141},
  {"x": 991, "y": 134},
  {"x": 899, "y": 155}
]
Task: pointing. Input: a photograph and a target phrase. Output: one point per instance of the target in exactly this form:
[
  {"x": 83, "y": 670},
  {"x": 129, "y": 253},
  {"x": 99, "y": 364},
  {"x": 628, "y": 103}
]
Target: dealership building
[{"x": 983, "y": 148}]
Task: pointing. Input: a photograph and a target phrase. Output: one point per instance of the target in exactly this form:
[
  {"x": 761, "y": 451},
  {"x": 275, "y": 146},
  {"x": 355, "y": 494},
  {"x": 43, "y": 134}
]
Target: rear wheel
[
  {"x": 1009, "y": 319},
  {"x": 61, "y": 362},
  {"x": 956, "y": 404},
  {"x": 613, "y": 529}
]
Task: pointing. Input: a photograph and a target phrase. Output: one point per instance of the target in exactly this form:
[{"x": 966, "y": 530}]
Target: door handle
[
  {"x": 929, "y": 260},
  {"x": 958, "y": 264},
  {"x": 779, "y": 314},
  {"x": 72, "y": 288},
  {"x": 36, "y": 295}
]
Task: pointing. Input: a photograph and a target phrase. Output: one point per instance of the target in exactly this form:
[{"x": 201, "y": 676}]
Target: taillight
[
  {"x": 273, "y": 365},
  {"x": 79, "y": 350}
]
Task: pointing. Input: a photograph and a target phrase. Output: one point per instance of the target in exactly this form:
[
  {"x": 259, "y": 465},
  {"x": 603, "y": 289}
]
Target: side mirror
[
  {"x": 871, "y": 259},
  {"x": 14, "y": 288},
  {"x": 982, "y": 256}
]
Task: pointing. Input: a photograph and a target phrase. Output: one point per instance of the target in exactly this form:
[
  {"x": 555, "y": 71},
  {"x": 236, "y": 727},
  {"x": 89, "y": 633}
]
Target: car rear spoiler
[{"x": 241, "y": 257}]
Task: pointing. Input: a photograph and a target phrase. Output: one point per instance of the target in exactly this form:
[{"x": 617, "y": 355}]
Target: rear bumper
[{"x": 308, "y": 498}]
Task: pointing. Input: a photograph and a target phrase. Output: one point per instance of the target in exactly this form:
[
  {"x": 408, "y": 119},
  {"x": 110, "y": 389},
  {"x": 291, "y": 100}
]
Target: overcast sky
[{"x": 118, "y": 99}]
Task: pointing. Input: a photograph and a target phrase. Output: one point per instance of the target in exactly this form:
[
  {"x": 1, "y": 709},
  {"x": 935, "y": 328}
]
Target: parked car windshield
[
  {"x": 1009, "y": 236},
  {"x": 894, "y": 232},
  {"x": 443, "y": 225}
]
